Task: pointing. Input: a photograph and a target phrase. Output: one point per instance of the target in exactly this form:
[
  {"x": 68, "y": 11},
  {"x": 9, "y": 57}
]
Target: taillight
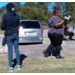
[{"x": 42, "y": 31}]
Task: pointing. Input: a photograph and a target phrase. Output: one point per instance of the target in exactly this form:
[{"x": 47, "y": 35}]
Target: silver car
[{"x": 30, "y": 31}]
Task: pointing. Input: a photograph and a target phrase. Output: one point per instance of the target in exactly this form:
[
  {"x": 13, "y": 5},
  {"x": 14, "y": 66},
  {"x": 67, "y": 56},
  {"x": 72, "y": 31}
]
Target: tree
[
  {"x": 49, "y": 14},
  {"x": 61, "y": 6},
  {"x": 0, "y": 10},
  {"x": 40, "y": 15},
  {"x": 33, "y": 13},
  {"x": 49, "y": 5},
  {"x": 70, "y": 9},
  {"x": 17, "y": 6},
  {"x": 30, "y": 12},
  {"x": 30, "y": 4},
  {"x": 43, "y": 7}
]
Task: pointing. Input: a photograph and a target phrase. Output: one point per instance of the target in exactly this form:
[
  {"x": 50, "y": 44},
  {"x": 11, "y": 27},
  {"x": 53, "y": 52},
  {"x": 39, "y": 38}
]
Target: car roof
[{"x": 29, "y": 20}]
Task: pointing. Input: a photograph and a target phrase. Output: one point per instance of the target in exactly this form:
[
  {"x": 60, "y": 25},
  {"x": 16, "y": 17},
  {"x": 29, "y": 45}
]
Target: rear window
[{"x": 30, "y": 24}]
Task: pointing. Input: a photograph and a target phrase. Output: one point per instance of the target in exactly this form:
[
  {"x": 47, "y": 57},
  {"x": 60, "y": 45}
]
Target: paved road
[{"x": 35, "y": 50}]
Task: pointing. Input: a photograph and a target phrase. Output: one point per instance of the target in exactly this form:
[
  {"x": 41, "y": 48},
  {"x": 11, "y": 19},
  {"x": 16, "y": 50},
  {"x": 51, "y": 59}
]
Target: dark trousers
[
  {"x": 70, "y": 34},
  {"x": 56, "y": 41}
]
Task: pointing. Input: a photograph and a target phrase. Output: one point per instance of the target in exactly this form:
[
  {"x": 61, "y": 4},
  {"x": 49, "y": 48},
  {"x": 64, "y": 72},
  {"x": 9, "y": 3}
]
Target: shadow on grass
[{"x": 22, "y": 57}]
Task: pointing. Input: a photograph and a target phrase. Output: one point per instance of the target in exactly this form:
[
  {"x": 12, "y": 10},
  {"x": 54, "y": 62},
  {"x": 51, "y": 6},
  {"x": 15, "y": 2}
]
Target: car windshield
[{"x": 30, "y": 24}]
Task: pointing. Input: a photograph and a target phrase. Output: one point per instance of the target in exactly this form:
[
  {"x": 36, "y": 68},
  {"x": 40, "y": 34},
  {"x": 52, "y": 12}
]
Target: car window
[{"x": 30, "y": 24}]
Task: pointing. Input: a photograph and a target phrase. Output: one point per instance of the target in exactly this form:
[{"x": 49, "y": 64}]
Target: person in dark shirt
[
  {"x": 10, "y": 23},
  {"x": 66, "y": 30}
]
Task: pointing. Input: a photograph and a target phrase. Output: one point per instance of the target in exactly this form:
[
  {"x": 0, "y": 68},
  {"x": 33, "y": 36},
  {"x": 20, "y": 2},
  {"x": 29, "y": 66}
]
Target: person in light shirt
[{"x": 67, "y": 31}]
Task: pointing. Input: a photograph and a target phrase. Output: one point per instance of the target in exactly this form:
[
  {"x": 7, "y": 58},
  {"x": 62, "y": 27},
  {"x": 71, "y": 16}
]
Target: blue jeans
[{"x": 13, "y": 40}]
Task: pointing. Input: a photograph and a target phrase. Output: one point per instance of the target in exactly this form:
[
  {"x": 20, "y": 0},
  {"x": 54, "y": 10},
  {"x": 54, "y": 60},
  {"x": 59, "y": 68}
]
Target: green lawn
[
  {"x": 1, "y": 32},
  {"x": 41, "y": 65},
  {"x": 46, "y": 29}
]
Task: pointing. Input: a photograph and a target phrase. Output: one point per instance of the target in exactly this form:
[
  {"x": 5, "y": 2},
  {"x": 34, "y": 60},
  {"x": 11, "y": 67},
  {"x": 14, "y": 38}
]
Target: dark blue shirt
[{"x": 10, "y": 23}]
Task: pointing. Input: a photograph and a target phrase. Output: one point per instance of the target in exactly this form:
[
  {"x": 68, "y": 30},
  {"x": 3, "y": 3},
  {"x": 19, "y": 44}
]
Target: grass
[
  {"x": 1, "y": 32},
  {"x": 46, "y": 29},
  {"x": 41, "y": 65},
  {"x": 46, "y": 37}
]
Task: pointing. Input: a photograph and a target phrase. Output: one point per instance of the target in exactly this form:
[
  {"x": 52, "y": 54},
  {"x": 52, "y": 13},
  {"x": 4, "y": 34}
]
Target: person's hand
[
  {"x": 67, "y": 17},
  {"x": 69, "y": 26}
]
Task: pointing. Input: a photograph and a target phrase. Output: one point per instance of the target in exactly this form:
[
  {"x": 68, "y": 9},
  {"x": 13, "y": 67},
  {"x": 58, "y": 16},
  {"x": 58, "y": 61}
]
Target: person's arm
[
  {"x": 67, "y": 30},
  {"x": 3, "y": 26},
  {"x": 68, "y": 25},
  {"x": 59, "y": 24}
]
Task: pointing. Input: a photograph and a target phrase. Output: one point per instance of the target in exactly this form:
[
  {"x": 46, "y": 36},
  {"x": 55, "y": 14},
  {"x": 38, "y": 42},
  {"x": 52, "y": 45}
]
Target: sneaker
[
  {"x": 9, "y": 69},
  {"x": 18, "y": 67},
  {"x": 60, "y": 57}
]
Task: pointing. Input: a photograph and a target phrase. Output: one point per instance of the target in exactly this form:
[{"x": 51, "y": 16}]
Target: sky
[{"x": 4, "y": 3}]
